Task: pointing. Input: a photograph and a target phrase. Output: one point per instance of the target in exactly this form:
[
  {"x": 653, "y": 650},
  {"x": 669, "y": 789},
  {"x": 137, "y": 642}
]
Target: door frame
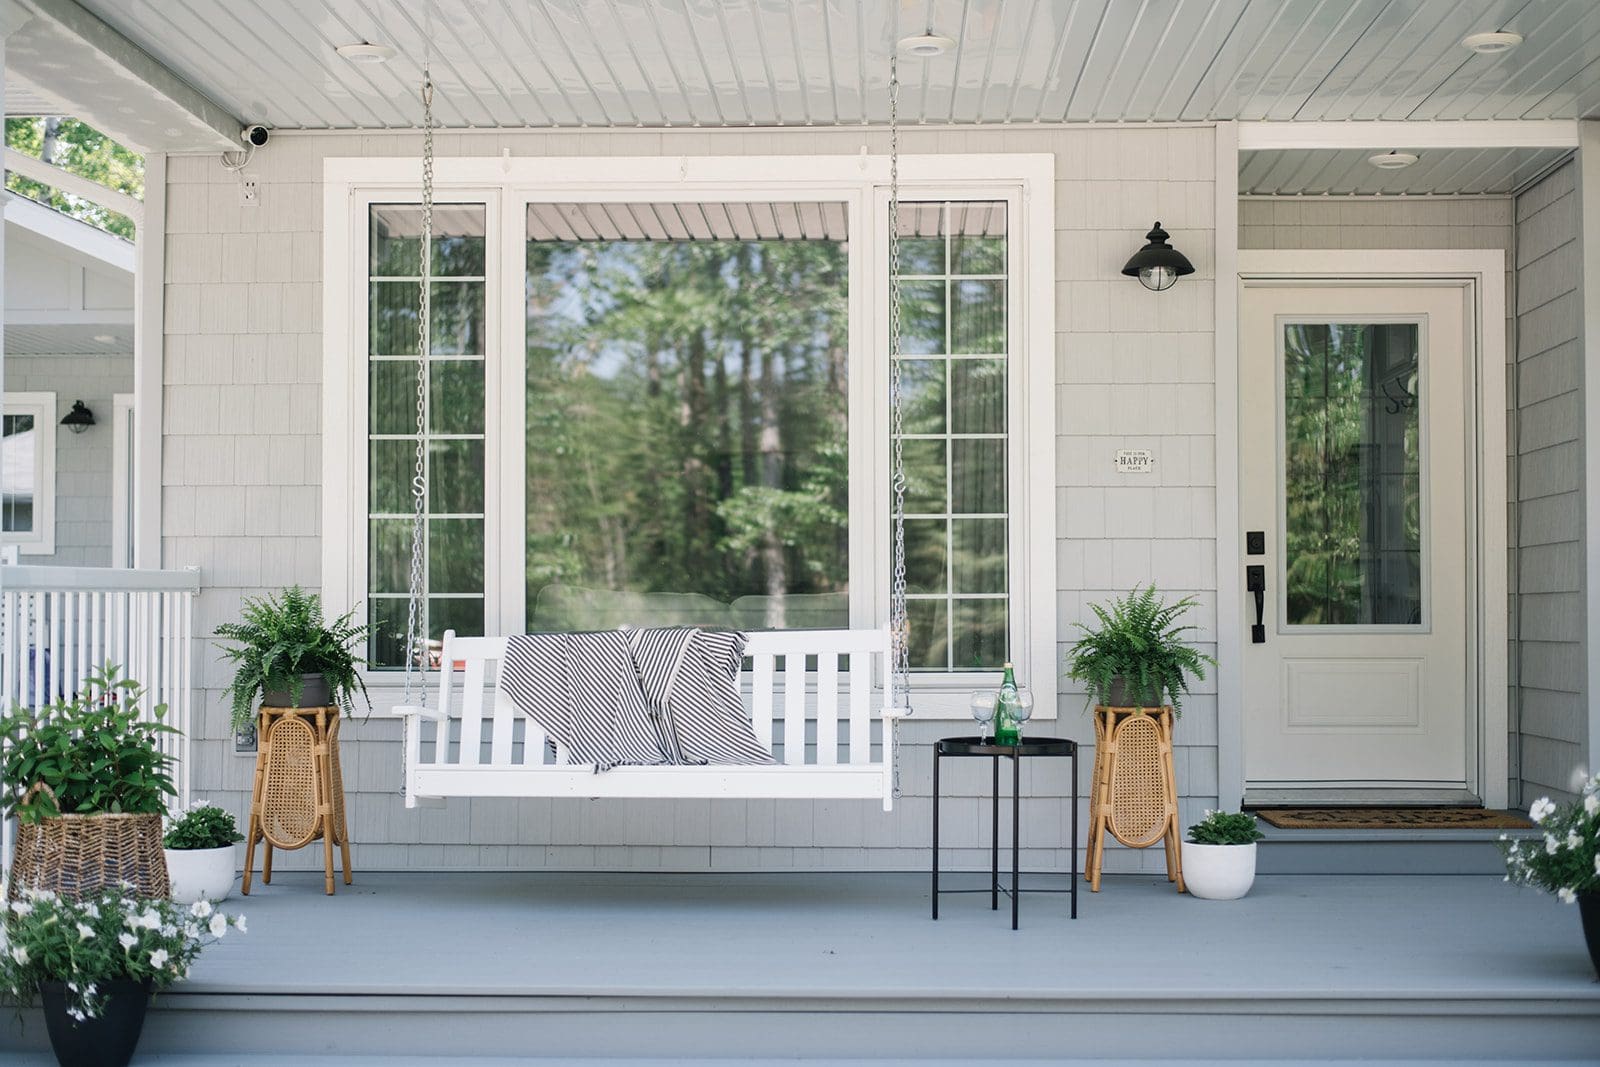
[{"x": 1483, "y": 271}]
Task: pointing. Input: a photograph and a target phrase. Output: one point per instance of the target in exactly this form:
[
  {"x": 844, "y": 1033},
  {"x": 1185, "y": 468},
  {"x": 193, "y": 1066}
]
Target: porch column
[{"x": 1589, "y": 240}]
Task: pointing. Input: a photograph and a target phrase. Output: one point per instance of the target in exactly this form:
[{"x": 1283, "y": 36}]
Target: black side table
[{"x": 1032, "y": 746}]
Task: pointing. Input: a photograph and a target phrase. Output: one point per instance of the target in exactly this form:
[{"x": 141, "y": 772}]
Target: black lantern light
[
  {"x": 1157, "y": 265},
  {"x": 79, "y": 419}
]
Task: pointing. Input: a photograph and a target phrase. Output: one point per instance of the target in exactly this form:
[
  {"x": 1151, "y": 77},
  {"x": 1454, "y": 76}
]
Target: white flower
[
  {"x": 92, "y": 910},
  {"x": 201, "y": 909},
  {"x": 1551, "y": 845},
  {"x": 1597, "y": 863},
  {"x": 20, "y": 954},
  {"x": 191, "y": 931},
  {"x": 1566, "y": 895},
  {"x": 1591, "y": 803},
  {"x": 158, "y": 958},
  {"x": 85, "y": 932},
  {"x": 1542, "y": 809},
  {"x": 219, "y": 924},
  {"x": 150, "y": 920},
  {"x": 127, "y": 940},
  {"x": 21, "y": 907},
  {"x": 238, "y": 920},
  {"x": 77, "y": 1013},
  {"x": 1574, "y": 842}
]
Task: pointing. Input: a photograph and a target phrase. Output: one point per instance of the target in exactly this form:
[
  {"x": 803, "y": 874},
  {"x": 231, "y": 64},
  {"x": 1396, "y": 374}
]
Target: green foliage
[
  {"x": 1226, "y": 828},
  {"x": 202, "y": 826},
  {"x": 111, "y": 935},
  {"x": 81, "y": 150},
  {"x": 1138, "y": 640},
  {"x": 1565, "y": 859},
  {"x": 283, "y": 637},
  {"x": 94, "y": 751}
]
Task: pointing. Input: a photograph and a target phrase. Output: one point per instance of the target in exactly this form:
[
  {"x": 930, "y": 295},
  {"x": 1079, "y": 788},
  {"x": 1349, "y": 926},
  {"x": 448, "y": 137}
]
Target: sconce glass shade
[
  {"x": 1157, "y": 265},
  {"x": 79, "y": 419}
]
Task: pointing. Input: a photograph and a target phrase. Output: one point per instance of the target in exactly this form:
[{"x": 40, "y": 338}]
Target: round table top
[{"x": 1029, "y": 746}]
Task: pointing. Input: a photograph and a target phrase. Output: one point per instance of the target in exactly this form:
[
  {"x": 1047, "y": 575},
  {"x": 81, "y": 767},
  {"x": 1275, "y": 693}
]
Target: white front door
[{"x": 1354, "y": 496}]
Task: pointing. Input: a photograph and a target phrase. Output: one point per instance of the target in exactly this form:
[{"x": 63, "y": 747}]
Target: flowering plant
[
  {"x": 113, "y": 934},
  {"x": 1566, "y": 859},
  {"x": 202, "y": 826},
  {"x": 1226, "y": 828}
]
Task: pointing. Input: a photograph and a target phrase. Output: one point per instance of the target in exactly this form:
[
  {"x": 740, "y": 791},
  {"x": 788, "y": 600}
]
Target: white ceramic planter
[
  {"x": 1218, "y": 872},
  {"x": 200, "y": 873}
]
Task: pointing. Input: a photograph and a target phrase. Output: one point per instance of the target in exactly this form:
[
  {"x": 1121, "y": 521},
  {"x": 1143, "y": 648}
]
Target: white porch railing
[{"x": 57, "y": 624}]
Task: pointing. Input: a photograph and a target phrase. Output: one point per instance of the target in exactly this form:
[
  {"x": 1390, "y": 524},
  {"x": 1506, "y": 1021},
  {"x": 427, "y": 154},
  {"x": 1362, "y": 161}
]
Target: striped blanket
[{"x": 635, "y": 697}]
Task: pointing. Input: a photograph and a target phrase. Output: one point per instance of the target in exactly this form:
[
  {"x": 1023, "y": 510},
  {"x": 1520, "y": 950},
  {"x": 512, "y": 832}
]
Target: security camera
[{"x": 254, "y": 135}]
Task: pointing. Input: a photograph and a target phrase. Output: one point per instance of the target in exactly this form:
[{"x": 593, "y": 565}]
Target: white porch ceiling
[
  {"x": 513, "y": 63},
  {"x": 1454, "y": 171}
]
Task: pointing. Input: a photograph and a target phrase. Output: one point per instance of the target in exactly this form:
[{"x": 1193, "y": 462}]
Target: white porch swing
[{"x": 481, "y": 744}]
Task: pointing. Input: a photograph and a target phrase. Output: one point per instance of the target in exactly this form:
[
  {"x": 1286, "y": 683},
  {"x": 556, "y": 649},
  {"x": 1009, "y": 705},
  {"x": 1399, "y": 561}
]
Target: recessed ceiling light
[
  {"x": 926, "y": 45},
  {"x": 1490, "y": 44},
  {"x": 1392, "y": 160},
  {"x": 104, "y": 338},
  {"x": 366, "y": 53}
]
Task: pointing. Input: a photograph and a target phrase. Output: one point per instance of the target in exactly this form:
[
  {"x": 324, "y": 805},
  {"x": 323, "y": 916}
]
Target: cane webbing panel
[
  {"x": 1138, "y": 815},
  {"x": 290, "y": 790}
]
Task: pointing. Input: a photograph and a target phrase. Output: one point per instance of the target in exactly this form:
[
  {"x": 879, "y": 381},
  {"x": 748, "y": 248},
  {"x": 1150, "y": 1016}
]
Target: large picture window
[
  {"x": 667, "y": 404},
  {"x": 28, "y": 472}
]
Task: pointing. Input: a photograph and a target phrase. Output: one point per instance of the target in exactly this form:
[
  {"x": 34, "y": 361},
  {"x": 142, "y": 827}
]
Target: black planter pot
[
  {"x": 1589, "y": 908},
  {"x": 314, "y": 693},
  {"x": 105, "y": 1041},
  {"x": 1122, "y": 694}
]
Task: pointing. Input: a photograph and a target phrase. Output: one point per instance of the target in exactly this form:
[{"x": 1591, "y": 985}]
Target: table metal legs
[
  {"x": 994, "y": 838},
  {"x": 936, "y": 834},
  {"x": 1016, "y": 822}
]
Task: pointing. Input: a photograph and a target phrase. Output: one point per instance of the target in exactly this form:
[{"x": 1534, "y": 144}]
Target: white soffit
[
  {"x": 1439, "y": 171},
  {"x": 714, "y": 63}
]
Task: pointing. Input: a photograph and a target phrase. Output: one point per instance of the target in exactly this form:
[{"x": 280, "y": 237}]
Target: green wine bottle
[{"x": 1005, "y": 718}]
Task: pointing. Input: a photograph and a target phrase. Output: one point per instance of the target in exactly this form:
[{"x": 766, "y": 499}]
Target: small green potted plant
[
  {"x": 1565, "y": 858},
  {"x": 199, "y": 850},
  {"x": 93, "y": 963},
  {"x": 87, "y": 779},
  {"x": 289, "y": 657},
  {"x": 1219, "y": 857},
  {"x": 1136, "y": 656}
]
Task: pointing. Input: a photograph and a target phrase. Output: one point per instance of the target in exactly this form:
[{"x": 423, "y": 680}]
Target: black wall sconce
[
  {"x": 79, "y": 419},
  {"x": 1157, "y": 265}
]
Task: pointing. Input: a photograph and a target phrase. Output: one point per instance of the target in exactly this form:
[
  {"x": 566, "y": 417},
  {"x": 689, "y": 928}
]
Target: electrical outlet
[
  {"x": 249, "y": 193},
  {"x": 244, "y": 739}
]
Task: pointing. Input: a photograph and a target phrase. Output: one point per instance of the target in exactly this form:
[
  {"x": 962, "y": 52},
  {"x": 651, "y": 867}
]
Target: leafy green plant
[
  {"x": 202, "y": 826},
  {"x": 96, "y": 752},
  {"x": 1226, "y": 828},
  {"x": 1138, "y": 640},
  {"x": 283, "y": 637},
  {"x": 102, "y": 938},
  {"x": 1565, "y": 859}
]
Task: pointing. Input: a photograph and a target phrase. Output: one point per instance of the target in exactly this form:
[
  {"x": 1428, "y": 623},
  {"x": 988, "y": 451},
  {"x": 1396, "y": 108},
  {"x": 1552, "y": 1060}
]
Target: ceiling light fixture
[
  {"x": 1491, "y": 44},
  {"x": 1392, "y": 160},
  {"x": 928, "y": 45},
  {"x": 104, "y": 338},
  {"x": 365, "y": 52}
]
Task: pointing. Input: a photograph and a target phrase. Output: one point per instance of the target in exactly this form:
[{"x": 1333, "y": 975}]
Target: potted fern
[
  {"x": 289, "y": 657},
  {"x": 1136, "y": 657}
]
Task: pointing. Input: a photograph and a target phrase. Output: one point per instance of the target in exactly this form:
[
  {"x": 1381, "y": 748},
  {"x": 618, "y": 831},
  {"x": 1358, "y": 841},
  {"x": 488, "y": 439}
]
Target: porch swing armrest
[{"x": 419, "y": 711}]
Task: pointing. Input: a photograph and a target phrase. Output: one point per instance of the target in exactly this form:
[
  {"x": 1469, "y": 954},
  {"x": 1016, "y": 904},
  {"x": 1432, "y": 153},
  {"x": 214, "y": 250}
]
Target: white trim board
[
  {"x": 1230, "y": 549},
  {"x": 1525, "y": 133},
  {"x": 1484, "y": 269},
  {"x": 1589, "y": 222}
]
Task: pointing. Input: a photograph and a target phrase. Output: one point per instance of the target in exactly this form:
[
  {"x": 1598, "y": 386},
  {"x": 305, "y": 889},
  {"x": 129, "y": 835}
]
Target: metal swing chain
[
  {"x": 899, "y": 622},
  {"x": 415, "y": 643}
]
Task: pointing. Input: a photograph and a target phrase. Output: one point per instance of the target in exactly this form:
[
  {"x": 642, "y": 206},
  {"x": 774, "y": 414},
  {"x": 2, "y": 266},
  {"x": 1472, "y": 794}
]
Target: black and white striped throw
[
  {"x": 583, "y": 690},
  {"x": 690, "y": 680}
]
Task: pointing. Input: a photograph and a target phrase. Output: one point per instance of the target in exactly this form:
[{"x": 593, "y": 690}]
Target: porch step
[{"x": 1399, "y": 852}]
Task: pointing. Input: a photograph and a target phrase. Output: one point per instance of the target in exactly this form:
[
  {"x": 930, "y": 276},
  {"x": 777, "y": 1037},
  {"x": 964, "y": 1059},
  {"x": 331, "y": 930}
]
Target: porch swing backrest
[{"x": 813, "y": 696}]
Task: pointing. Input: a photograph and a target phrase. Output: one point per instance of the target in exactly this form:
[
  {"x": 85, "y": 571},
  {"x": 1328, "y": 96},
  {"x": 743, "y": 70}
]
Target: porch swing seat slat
[{"x": 799, "y": 684}]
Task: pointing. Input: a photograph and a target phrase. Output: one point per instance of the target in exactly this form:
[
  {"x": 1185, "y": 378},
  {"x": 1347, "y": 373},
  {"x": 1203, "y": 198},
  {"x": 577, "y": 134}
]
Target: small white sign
[{"x": 1135, "y": 461}]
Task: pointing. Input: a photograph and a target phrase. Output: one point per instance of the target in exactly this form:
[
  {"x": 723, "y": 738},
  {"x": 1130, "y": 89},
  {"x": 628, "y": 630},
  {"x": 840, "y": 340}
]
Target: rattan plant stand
[
  {"x": 298, "y": 795},
  {"x": 1135, "y": 793}
]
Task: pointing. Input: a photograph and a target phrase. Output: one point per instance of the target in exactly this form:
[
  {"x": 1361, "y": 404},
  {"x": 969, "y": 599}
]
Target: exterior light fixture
[
  {"x": 1157, "y": 265},
  {"x": 366, "y": 52},
  {"x": 79, "y": 419},
  {"x": 928, "y": 45},
  {"x": 1392, "y": 160},
  {"x": 1491, "y": 44}
]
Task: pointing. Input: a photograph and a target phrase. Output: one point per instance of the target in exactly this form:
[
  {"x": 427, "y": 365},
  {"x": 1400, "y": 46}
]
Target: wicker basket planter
[{"x": 75, "y": 855}]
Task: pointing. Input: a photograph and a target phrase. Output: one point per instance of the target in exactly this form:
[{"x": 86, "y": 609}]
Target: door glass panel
[{"x": 1352, "y": 474}]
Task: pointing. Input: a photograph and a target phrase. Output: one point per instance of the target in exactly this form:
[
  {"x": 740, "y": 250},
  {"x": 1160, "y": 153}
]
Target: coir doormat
[{"x": 1393, "y": 819}]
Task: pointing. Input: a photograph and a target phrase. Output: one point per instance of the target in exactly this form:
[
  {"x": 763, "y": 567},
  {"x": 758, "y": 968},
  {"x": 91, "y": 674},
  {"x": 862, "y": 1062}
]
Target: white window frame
[
  {"x": 41, "y": 541},
  {"x": 507, "y": 185}
]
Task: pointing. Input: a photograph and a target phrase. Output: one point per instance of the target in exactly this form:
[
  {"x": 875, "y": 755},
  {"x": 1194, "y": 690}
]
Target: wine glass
[
  {"x": 1023, "y": 709},
  {"x": 982, "y": 704}
]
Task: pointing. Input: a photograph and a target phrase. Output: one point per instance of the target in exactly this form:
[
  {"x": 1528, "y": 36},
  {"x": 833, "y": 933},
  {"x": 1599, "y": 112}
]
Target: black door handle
[{"x": 1255, "y": 581}]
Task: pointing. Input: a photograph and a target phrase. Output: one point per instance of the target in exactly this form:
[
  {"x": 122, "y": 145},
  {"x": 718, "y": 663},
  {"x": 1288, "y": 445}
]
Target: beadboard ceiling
[{"x": 541, "y": 63}]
